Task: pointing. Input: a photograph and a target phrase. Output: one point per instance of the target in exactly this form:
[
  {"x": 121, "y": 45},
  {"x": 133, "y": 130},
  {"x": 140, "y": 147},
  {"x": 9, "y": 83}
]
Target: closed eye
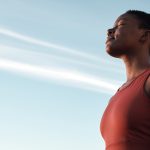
[{"x": 119, "y": 26}]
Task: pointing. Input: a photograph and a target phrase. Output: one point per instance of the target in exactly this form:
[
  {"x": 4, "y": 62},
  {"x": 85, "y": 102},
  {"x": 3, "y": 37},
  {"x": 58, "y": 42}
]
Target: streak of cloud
[
  {"x": 35, "y": 41},
  {"x": 75, "y": 78},
  {"x": 8, "y": 52}
]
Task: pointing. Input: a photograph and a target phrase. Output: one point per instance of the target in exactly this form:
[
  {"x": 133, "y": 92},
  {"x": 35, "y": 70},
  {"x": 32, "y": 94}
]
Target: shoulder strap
[
  {"x": 140, "y": 81},
  {"x": 144, "y": 82}
]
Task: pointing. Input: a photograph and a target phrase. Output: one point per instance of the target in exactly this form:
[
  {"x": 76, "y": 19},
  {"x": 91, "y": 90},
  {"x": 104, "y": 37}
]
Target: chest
[{"x": 128, "y": 110}]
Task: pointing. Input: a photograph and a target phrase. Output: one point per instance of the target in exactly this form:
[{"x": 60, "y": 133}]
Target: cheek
[
  {"x": 121, "y": 34},
  {"x": 124, "y": 38}
]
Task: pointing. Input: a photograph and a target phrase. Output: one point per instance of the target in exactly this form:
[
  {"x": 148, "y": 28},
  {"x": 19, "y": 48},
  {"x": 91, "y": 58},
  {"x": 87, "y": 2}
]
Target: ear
[
  {"x": 148, "y": 32},
  {"x": 145, "y": 36}
]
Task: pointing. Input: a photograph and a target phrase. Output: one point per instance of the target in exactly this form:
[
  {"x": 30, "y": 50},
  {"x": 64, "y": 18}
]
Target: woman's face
[{"x": 124, "y": 37}]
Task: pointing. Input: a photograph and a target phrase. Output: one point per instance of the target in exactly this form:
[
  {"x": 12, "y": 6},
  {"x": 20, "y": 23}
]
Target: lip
[{"x": 109, "y": 39}]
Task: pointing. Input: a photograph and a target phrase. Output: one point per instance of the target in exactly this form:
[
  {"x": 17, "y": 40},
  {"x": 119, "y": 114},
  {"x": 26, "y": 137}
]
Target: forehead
[{"x": 127, "y": 18}]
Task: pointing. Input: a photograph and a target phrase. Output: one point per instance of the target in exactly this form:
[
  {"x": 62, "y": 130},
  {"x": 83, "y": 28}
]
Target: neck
[{"x": 135, "y": 65}]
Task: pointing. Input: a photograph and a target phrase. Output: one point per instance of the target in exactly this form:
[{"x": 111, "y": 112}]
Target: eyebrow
[{"x": 122, "y": 19}]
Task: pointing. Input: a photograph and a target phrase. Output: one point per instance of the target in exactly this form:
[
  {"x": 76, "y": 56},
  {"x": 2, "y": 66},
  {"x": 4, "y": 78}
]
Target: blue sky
[{"x": 56, "y": 78}]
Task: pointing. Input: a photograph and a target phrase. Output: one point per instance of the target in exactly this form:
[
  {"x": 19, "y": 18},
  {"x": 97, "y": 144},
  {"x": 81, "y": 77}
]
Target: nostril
[{"x": 110, "y": 32}]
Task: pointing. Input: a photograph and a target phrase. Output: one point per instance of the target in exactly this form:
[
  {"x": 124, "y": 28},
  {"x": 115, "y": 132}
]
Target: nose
[{"x": 110, "y": 32}]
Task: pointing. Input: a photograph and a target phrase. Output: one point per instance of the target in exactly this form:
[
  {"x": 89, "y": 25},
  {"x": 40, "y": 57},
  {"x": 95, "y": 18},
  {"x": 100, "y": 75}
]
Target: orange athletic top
[{"x": 125, "y": 124}]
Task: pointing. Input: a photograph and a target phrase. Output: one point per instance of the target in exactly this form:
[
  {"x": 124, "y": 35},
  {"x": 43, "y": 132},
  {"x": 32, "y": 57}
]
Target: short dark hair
[{"x": 143, "y": 17}]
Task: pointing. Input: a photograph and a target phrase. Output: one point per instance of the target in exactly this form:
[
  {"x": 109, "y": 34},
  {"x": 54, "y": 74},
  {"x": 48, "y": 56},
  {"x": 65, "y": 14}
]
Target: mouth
[{"x": 109, "y": 39}]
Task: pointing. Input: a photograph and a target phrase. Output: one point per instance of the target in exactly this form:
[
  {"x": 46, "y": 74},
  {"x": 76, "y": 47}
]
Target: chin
[{"x": 113, "y": 52}]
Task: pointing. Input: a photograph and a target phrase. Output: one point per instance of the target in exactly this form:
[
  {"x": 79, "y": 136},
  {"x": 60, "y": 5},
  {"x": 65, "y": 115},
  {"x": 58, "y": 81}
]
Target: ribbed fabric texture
[{"x": 125, "y": 124}]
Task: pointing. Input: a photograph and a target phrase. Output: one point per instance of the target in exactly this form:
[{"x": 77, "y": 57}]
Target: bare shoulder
[{"x": 147, "y": 86}]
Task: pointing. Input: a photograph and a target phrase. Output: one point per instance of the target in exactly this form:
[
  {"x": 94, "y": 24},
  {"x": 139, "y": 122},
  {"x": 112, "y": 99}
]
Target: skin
[{"x": 131, "y": 44}]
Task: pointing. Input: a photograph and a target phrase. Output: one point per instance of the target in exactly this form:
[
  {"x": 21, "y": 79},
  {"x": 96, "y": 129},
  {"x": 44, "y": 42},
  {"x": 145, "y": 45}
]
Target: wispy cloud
[
  {"x": 9, "y": 51},
  {"x": 57, "y": 47},
  {"x": 74, "y": 78},
  {"x": 57, "y": 74}
]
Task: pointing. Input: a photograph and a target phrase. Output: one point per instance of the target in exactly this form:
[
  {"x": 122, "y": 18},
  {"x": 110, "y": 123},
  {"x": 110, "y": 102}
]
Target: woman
[{"x": 125, "y": 124}]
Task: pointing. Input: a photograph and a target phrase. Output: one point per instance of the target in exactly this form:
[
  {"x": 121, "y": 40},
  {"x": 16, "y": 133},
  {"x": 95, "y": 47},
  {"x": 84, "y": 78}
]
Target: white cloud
[
  {"x": 58, "y": 47},
  {"x": 58, "y": 74},
  {"x": 18, "y": 54}
]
